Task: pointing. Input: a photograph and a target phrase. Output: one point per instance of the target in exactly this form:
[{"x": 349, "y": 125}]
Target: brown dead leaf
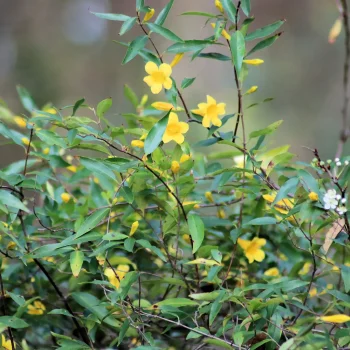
[{"x": 332, "y": 234}]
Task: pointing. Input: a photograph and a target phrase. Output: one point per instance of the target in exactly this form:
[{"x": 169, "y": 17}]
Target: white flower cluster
[{"x": 334, "y": 201}]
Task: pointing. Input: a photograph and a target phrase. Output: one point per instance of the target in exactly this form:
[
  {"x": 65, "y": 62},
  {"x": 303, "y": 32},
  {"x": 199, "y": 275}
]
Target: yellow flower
[
  {"x": 306, "y": 268},
  {"x": 221, "y": 214},
  {"x": 20, "y": 121},
  {"x": 313, "y": 292},
  {"x": 137, "y": 143},
  {"x": 252, "y": 249},
  {"x": 148, "y": 15},
  {"x": 165, "y": 106},
  {"x": 184, "y": 158},
  {"x": 175, "y": 166},
  {"x": 134, "y": 227},
  {"x": 251, "y": 90},
  {"x": 224, "y": 33},
  {"x": 120, "y": 271},
  {"x": 65, "y": 197},
  {"x": 254, "y": 62},
  {"x": 50, "y": 110},
  {"x": 175, "y": 129},
  {"x": 340, "y": 318},
  {"x": 313, "y": 196},
  {"x": 218, "y": 5},
  {"x": 46, "y": 150},
  {"x": 178, "y": 57},
  {"x": 210, "y": 112},
  {"x": 273, "y": 272},
  {"x": 96, "y": 180},
  {"x": 72, "y": 168},
  {"x": 25, "y": 141},
  {"x": 38, "y": 308},
  {"x": 100, "y": 259},
  {"x": 158, "y": 77},
  {"x": 283, "y": 206},
  {"x": 6, "y": 344},
  {"x": 335, "y": 31},
  {"x": 209, "y": 196}
]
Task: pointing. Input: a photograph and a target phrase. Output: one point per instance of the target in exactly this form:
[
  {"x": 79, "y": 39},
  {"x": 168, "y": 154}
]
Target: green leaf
[
  {"x": 237, "y": 50},
  {"x": 230, "y": 9},
  {"x": 187, "y": 82},
  {"x": 8, "y": 199},
  {"x": 164, "y": 32},
  {"x": 196, "y": 13},
  {"x": 164, "y": 13},
  {"x": 195, "y": 335},
  {"x": 123, "y": 330},
  {"x": 215, "y": 56},
  {"x": 26, "y": 99},
  {"x": 264, "y": 31},
  {"x": 114, "y": 236},
  {"x": 51, "y": 138},
  {"x": 12, "y": 322},
  {"x": 112, "y": 16},
  {"x": 345, "y": 274},
  {"x": 155, "y": 135},
  {"x": 134, "y": 48},
  {"x": 127, "y": 25},
  {"x": 60, "y": 312},
  {"x": 216, "y": 307},
  {"x": 288, "y": 187},
  {"x": 196, "y": 227},
  {"x": 97, "y": 166},
  {"x": 76, "y": 262},
  {"x": 130, "y": 95},
  {"x": 140, "y": 4},
  {"x": 261, "y": 221},
  {"x": 270, "y": 129},
  {"x": 189, "y": 45},
  {"x": 103, "y": 107},
  {"x": 127, "y": 194},
  {"x": 154, "y": 249},
  {"x": 77, "y": 105},
  {"x": 175, "y": 302},
  {"x": 91, "y": 222},
  {"x": 211, "y": 296},
  {"x": 245, "y": 6},
  {"x": 264, "y": 43}
]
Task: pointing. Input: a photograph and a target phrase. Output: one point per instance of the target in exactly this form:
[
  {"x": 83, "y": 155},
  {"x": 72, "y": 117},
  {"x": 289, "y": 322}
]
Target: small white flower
[
  {"x": 329, "y": 161},
  {"x": 331, "y": 200},
  {"x": 343, "y": 200},
  {"x": 338, "y": 196},
  {"x": 341, "y": 210},
  {"x": 346, "y": 162},
  {"x": 336, "y": 160},
  {"x": 338, "y": 163}
]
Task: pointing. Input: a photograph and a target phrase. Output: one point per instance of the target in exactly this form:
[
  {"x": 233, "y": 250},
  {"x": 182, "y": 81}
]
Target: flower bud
[
  {"x": 209, "y": 197},
  {"x": 178, "y": 57},
  {"x": 335, "y": 31},
  {"x": 137, "y": 143},
  {"x": 20, "y": 121},
  {"x": 224, "y": 33},
  {"x": 184, "y": 158},
  {"x": 175, "y": 166},
  {"x": 25, "y": 141},
  {"x": 251, "y": 90},
  {"x": 65, "y": 197},
  {"x": 254, "y": 62},
  {"x": 134, "y": 227},
  {"x": 313, "y": 196},
  {"x": 218, "y": 5}
]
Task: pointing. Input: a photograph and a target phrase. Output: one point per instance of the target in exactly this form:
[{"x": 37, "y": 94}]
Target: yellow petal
[
  {"x": 148, "y": 80},
  {"x": 156, "y": 88},
  {"x": 179, "y": 138},
  {"x": 168, "y": 83},
  {"x": 166, "y": 137},
  {"x": 165, "y": 69},
  {"x": 175, "y": 166},
  {"x": 206, "y": 122},
  {"x": 173, "y": 118},
  {"x": 221, "y": 108},
  {"x": 184, "y": 127},
  {"x": 217, "y": 122},
  {"x": 259, "y": 255},
  {"x": 151, "y": 67},
  {"x": 210, "y": 101},
  {"x": 243, "y": 243}
]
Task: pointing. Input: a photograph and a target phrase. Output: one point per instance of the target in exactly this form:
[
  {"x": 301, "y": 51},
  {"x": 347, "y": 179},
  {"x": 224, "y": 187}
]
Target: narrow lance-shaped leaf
[
  {"x": 155, "y": 135},
  {"x": 196, "y": 13},
  {"x": 92, "y": 221},
  {"x": 26, "y": 99},
  {"x": 245, "y": 5},
  {"x": 164, "y": 32},
  {"x": 103, "y": 107},
  {"x": 134, "y": 48},
  {"x": 196, "y": 228},
  {"x": 189, "y": 45},
  {"x": 230, "y": 10},
  {"x": 112, "y": 16},
  {"x": 237, "y": 50},
  {"x": 264, "y": 31},
  {"x": 164, "y": 13},
  {"x": 127, "y": 25},
  {"x": 76, "y": 262},
  {"x": 264, "y": 43}
]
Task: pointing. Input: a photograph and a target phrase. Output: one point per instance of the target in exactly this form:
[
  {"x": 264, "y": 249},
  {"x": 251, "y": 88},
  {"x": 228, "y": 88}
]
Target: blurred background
[{"x": 60, "y": 53}]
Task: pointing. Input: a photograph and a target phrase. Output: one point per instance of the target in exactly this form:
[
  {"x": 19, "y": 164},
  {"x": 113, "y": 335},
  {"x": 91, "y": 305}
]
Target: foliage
[{"x": 128, "y": 236}]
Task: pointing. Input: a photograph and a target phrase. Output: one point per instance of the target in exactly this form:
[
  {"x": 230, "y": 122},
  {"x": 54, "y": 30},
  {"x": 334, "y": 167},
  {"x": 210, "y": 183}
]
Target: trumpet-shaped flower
[
  {"x": 20, "y": 121},
  {"x": 175, "y": 130},
  {"x": 115, "y": 276},
  {"x": 134, "y": 227},
  {"x": 210, "y": 112},
  {"x": 175, "y": 166},
  {"x": 252, "y": 249},
  {"x": 38, "y": 308},
  {"x": 339, "y": 318},
  {"x": 65, "y": 197},
  {"x": 254, "y": 62},
  {"x": 158, "y": 76},
  {"x": 272, "y": 272},
  {"x": 178, "y": 57},
  {"x": 6, "y": 344}
]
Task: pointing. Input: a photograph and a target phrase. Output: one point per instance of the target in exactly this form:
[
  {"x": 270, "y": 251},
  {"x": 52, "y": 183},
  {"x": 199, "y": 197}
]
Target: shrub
[{"x": 127, "y": 236}]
